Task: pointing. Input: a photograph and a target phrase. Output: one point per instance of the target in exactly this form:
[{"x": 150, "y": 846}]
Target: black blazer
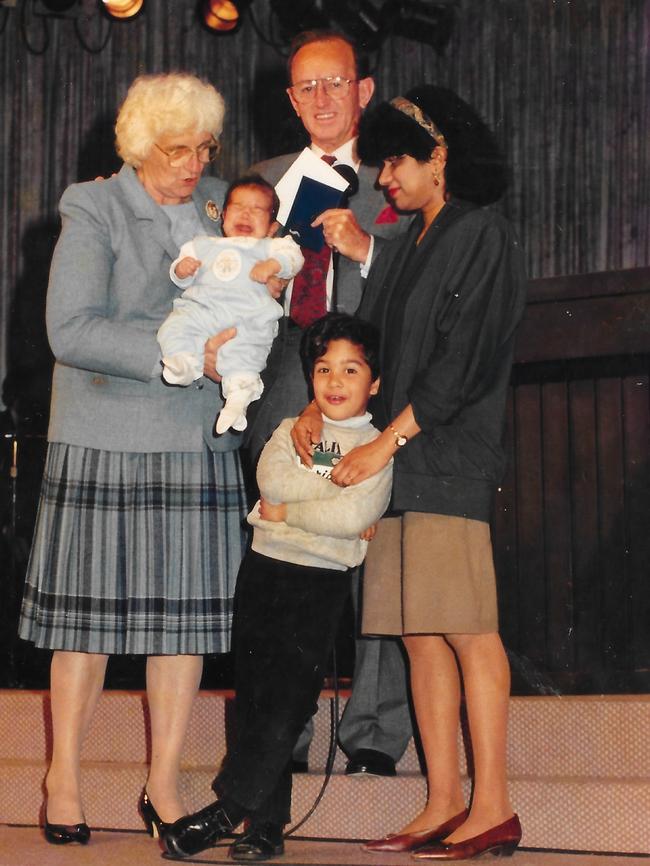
[{"x": 447, "y": 310}]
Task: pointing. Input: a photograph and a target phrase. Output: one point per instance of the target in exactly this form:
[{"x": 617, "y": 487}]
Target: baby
[{"x": 223, "y": 280}]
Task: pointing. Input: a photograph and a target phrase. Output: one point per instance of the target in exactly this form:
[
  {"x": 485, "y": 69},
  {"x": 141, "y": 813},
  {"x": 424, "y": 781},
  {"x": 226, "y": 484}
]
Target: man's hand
[
  {"x": 306, "y": 432},
  {"x": 274, "y": 513},
  {"x": 344, "y": 234},
  {"x": 211, "y": 349}
]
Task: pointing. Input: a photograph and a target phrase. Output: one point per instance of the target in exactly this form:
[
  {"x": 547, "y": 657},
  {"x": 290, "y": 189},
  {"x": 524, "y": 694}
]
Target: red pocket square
[{"x": 388, "y": 215}]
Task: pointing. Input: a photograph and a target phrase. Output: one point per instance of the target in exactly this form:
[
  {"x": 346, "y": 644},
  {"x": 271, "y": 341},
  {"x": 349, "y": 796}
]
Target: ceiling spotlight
[
  {"x": 122, "y": 9},
  {"x": 222, "y": 16}
]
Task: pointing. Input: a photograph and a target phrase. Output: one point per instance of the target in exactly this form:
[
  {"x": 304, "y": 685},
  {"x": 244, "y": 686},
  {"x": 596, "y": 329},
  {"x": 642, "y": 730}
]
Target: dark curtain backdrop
[{"x": 565, "y": 83}]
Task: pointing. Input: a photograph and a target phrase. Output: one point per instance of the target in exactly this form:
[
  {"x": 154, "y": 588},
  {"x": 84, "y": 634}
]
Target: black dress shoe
[
  {"x": 259, "y": 842},
  {"x": 369, "y": 762},
  {"x": 196, "y": 832},
  {"x": 63, "y": 834}
]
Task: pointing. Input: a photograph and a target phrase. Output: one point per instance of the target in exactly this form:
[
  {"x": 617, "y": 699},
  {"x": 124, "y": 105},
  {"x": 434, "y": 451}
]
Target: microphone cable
[{"x": 331, "y": 754}]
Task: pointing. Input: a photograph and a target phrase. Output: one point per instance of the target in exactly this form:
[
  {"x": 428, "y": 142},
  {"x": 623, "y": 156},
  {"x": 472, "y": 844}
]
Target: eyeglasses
[
  {"x": 182, "y": 153},
  {"x": 334, "y": 86}
]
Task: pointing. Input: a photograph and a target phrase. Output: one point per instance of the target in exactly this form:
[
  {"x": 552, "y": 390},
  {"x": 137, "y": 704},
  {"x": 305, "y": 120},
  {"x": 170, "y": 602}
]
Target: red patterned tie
[{"x": 309, "y": 292}]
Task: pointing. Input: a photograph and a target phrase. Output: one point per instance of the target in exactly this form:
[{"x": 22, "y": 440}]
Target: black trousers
[{"x": 284, "y": 627}]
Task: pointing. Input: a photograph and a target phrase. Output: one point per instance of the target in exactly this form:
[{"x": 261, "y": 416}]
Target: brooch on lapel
[
  {"x": 388, "y": 215},
  {"x": 212, "y": 210}
]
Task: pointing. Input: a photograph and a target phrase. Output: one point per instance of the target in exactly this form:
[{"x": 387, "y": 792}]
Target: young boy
[
  {"x": 291, "y": 589},
  {"x": 223, "y": 279}
]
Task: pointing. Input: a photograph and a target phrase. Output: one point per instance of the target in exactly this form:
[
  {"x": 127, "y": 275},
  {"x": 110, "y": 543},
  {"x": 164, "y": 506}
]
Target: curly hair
[
  {"x": 476, "y": 168},
  {"x": 168, "y": 104},
  {"x": 339, "y": 326}
]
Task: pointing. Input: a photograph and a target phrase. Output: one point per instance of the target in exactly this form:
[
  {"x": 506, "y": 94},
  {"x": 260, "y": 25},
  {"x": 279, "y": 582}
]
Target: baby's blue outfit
[{"x": 221, "y": 295}]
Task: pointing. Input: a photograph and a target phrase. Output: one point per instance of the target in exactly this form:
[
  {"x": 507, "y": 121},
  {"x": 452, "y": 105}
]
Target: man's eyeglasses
[
  {"x": 182, "y": 154},
  {"x": 334, "y": 86}
]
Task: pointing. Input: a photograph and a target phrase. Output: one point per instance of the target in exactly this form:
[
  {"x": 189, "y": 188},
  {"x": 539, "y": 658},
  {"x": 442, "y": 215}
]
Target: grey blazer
[{"x": 109, "y": 291}]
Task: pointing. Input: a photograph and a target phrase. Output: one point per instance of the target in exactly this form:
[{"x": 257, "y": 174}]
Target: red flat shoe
[
  {"x": 413, "y": 841},
  {"x": 500, "y": 841}
]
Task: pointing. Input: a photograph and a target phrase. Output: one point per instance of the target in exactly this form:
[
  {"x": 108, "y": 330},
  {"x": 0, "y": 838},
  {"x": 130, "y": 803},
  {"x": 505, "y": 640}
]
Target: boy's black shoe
[
  {"x": 259, "y": 842},
  {"x": 196, "y": 832}
]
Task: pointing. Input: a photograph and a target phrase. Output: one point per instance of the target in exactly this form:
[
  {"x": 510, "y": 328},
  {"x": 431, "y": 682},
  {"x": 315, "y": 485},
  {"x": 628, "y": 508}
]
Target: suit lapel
[{"x": 144, "y": 208}]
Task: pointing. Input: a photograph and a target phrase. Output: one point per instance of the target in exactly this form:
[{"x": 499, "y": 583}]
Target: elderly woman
[
  {"x": 447, "y": 296},
  {"x": 138, "y": 537}
]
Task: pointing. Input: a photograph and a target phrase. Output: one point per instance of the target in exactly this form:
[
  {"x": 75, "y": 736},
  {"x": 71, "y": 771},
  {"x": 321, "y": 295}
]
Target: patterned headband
[{"x": 410, "y": 109}]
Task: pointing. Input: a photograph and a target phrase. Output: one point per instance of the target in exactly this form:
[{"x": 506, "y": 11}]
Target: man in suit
[{"x": 328, "y": 92}]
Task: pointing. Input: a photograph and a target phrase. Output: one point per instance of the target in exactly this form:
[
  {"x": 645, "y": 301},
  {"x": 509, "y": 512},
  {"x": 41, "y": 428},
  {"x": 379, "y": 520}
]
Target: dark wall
[{"x": 565, "y": 86}]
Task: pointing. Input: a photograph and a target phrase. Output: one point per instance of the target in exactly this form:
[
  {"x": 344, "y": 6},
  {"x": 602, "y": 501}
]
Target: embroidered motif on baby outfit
[{"x": 227, "y": 265}]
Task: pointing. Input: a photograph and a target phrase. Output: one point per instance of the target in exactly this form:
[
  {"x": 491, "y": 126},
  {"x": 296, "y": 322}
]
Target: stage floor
[{"x": 25, "y": 846}]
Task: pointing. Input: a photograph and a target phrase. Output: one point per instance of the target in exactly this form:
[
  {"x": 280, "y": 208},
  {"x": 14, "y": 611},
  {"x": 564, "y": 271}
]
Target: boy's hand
[
  {"x": 306, "y": 432},
  {"x": 369, "y": 533},
  {"x": 211, "y": 350},
  {"x": 187, "y": 267},
  {"x": 274, "y": 513},
  {"x": 263, "y": 271}
]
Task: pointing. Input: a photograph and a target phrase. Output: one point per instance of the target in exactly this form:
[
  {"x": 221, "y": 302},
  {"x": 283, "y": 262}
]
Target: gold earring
[{"x": 436, "y": 180}]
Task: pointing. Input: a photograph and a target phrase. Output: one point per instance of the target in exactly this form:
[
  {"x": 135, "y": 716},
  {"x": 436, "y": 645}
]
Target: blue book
[{"x": 312, "y": 198}]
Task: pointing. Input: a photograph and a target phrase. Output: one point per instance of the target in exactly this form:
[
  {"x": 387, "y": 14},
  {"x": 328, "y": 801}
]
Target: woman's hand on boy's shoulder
[{"x": 306, "y": 433}]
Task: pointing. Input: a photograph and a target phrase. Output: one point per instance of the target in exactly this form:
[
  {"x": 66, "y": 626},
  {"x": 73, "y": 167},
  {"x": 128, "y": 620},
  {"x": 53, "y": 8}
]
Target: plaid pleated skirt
[{"x": 135, "y": 553}]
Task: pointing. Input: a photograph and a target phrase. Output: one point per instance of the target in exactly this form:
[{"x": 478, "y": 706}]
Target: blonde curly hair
[{"x": 168, "y": 104}]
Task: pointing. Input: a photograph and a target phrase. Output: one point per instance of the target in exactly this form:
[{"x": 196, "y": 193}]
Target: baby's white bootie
[
  {"x": 183, "y": 368},
  {"x": 239, "y": 391}
]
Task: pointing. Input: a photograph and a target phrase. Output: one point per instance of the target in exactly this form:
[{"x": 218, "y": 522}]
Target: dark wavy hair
[
  {"x": 476, "y": 168},
  {"x": 254, "y": 180},
  {"x": 339, "y": 326}
]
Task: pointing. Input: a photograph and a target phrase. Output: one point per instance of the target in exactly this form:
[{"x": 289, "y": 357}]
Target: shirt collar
[
  {"x": 356, "y": 422},
  {"x": 346, "y": 153}
]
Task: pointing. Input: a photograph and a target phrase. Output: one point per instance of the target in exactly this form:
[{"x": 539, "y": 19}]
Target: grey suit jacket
[
  {"x": 286, "y": 390},
  {"x": 366, "y": 205},
  {"x": 108, "y": 294}
]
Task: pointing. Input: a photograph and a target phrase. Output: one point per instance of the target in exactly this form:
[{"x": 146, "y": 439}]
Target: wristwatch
[{"x": 400, "y": 438}]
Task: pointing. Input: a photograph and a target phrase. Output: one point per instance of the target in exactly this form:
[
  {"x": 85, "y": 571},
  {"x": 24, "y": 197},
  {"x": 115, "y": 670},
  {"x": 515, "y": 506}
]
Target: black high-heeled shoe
[
  {"x": 155, "y": 826},
  {"x": 63, "y": 834}
]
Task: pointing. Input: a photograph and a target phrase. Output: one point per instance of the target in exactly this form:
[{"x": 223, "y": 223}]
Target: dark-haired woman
[{"x": 447, "y": 297}]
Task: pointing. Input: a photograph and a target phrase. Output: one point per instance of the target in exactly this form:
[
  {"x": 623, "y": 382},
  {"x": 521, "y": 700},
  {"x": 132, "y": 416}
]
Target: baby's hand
[
  {"x": 263, "y": 271},
  {"x": 187, "y": 267}
]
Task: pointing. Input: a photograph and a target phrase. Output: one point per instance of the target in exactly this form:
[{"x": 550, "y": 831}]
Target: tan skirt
[{"x": 430, "y": 574}]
